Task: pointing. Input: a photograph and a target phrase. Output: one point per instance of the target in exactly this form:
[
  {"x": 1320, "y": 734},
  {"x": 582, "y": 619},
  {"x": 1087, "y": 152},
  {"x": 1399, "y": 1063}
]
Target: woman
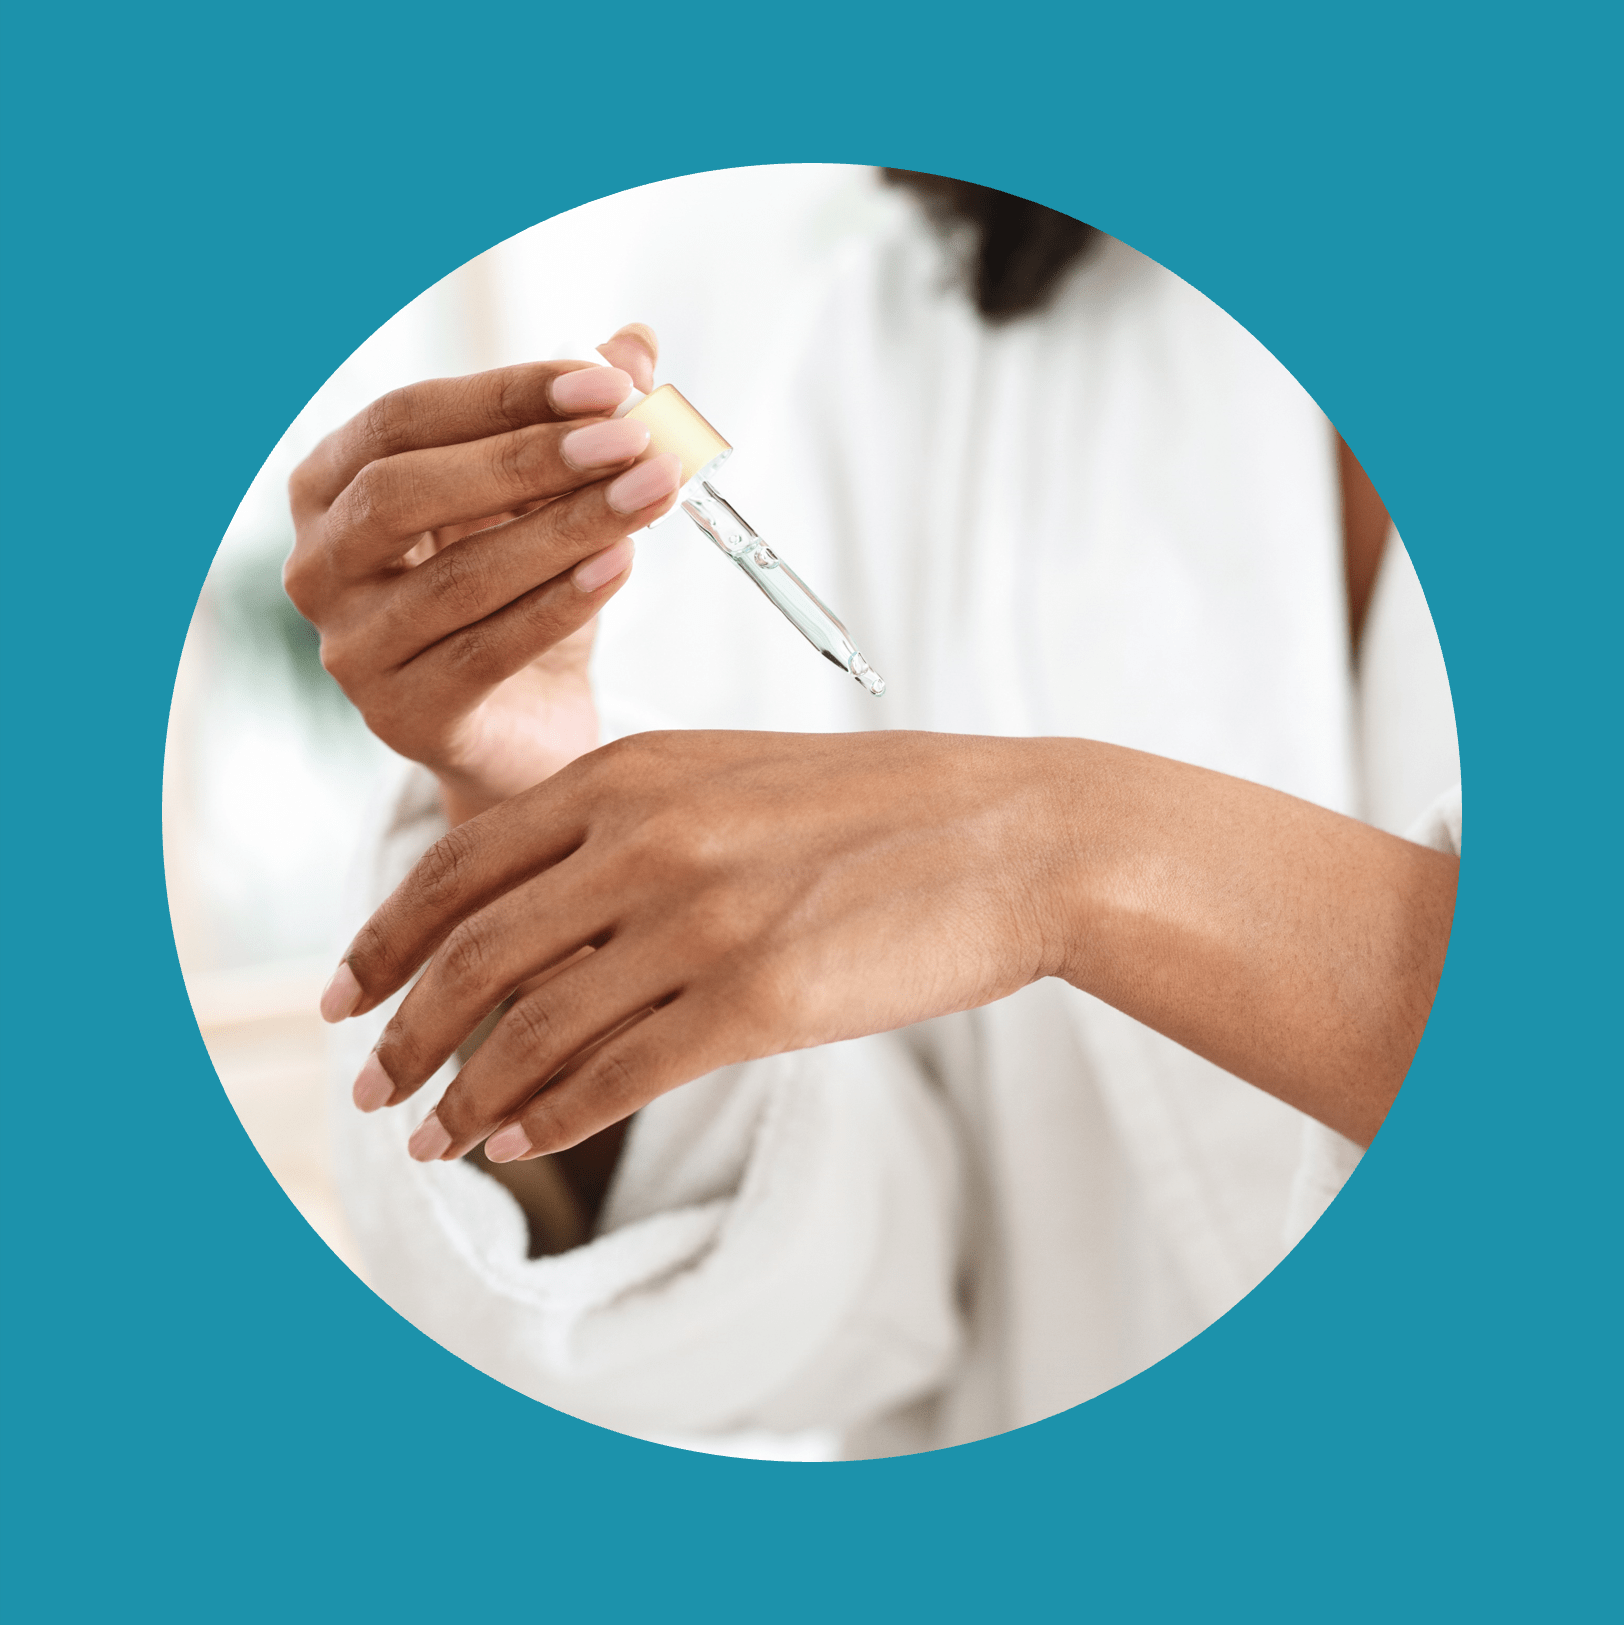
[{"x": 1089, "y": 514}]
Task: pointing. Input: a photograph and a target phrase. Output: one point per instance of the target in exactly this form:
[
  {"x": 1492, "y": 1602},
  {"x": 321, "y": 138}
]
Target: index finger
[
  {"x": 448, "y": 412},
  {"x": 464, "y": 870}
]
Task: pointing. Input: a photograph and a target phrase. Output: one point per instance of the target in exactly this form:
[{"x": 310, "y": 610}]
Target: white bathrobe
[{"x": 1119, "y": 520}]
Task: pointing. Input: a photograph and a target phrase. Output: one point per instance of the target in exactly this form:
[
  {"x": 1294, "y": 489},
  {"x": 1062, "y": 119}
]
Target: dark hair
[{"x": 1019, "y": 249}]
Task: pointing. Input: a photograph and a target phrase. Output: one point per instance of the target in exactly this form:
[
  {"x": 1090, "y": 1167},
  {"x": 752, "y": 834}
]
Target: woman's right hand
[{"x": 454, "y": 543}]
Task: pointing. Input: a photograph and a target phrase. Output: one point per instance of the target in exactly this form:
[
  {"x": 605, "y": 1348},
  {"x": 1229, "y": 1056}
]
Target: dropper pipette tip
[{"x": 867, "y": 676}]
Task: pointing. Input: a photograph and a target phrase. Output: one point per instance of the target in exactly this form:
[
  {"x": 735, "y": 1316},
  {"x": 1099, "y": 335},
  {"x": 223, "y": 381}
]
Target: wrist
[
  {"x": 1087, "y": 851},
  {"x": 462, "y": 802},
  {"x": 466, "y": 792},
  {"x": 1032, "y": 855},
  {"x": 500, "y": 756}
]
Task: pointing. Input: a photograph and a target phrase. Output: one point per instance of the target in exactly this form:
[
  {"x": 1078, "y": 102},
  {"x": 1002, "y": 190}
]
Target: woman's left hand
[{"x": 741, "y": 895}]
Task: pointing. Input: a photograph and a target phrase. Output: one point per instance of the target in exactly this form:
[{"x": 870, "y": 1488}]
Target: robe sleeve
[
  {"x": 777, "y": 1252},
  {"x": 1328, "y": 1158}
]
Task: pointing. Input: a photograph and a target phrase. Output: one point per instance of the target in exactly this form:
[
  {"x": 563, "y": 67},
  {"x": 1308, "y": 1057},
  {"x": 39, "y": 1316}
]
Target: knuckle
[
  {"x": 574, "y": 529},
  {"x": 465, "y": 959},
  {"x": 611, "y": 759},
  {"x": 382, "y": 424},
  {"x": 300, "y": 576},
  {"x": 444, "y": 871},
  {"x": 613, "y": 1076},
  {"x": 686, "y": 849},
  {"x": 532, "y": 1028},
  {"x": 472, "y": 654},
  {"x": 626, "y": 763},
  {"x": 338, "y": 660},
  {"x": 458, "y": 580},
  {"x": 377, "y": 499},
  {"x": 302, "y": 486},
  {"x": 512, "y": 398},
  {"x": 518, "y": 462}
]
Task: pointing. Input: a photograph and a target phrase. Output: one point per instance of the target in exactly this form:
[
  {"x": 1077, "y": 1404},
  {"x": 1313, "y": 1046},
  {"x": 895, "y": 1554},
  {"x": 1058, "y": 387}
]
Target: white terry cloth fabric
[
  {"x": 778, "y": 1251},
  {"x": 1408, "y": 756},
  {"x": 1120, "y": 520},
  {"x": 1328, "y": 1159}
]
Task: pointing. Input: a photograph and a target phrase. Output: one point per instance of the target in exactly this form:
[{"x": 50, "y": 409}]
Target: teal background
[{"x": 206, "y": 1416}]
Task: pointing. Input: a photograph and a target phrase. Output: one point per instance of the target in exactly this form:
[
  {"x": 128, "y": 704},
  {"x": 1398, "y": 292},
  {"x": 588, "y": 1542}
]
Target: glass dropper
[{"x": 674, "y": 426}]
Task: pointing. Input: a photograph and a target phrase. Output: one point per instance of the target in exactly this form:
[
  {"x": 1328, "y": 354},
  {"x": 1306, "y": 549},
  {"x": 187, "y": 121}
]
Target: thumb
[{"x": 635, "y": 350}]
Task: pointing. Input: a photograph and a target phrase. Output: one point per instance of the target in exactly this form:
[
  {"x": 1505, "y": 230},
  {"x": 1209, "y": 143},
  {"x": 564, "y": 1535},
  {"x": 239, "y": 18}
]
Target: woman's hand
[
  {"x": 454, "y": 543},
  {"x": 697, "y": 899},
  {"x": 741, "y": 895}
]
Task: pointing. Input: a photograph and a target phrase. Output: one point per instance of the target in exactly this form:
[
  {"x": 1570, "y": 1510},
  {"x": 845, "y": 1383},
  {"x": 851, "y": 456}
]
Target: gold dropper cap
[{"x": 675, "y": 426}]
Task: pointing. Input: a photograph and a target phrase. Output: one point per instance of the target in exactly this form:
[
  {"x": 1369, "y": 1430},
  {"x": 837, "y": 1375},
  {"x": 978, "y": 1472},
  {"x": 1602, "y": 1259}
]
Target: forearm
[
  {"x": 736, "y": 909},
  {"x": 1296, "y": 948}
]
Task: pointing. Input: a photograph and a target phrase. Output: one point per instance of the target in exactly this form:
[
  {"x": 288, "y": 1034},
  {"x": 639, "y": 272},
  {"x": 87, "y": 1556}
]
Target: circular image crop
[{"x": 812, "y": 812}]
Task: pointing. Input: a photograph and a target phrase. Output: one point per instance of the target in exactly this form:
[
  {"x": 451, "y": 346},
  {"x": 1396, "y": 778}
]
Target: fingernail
[
  {"x": 429, "y": 1140},
  {"x": 641, "y": 331},
  {"x": 373, "y": 1086},
  {"x": 641, "y": 487},
  {"x": 341, "y": 995},
  {"x": 602, "y": 568},
  {"x": 589, "y": 389},
  {"x": 634, "y": 349},
  {"x": 507, "y": 1144},
  {"x": 600, "y": 444}
]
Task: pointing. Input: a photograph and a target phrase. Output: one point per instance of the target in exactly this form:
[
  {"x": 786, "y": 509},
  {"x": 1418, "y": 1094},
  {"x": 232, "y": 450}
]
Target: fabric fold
[{"x": 778, "y": 1250}]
